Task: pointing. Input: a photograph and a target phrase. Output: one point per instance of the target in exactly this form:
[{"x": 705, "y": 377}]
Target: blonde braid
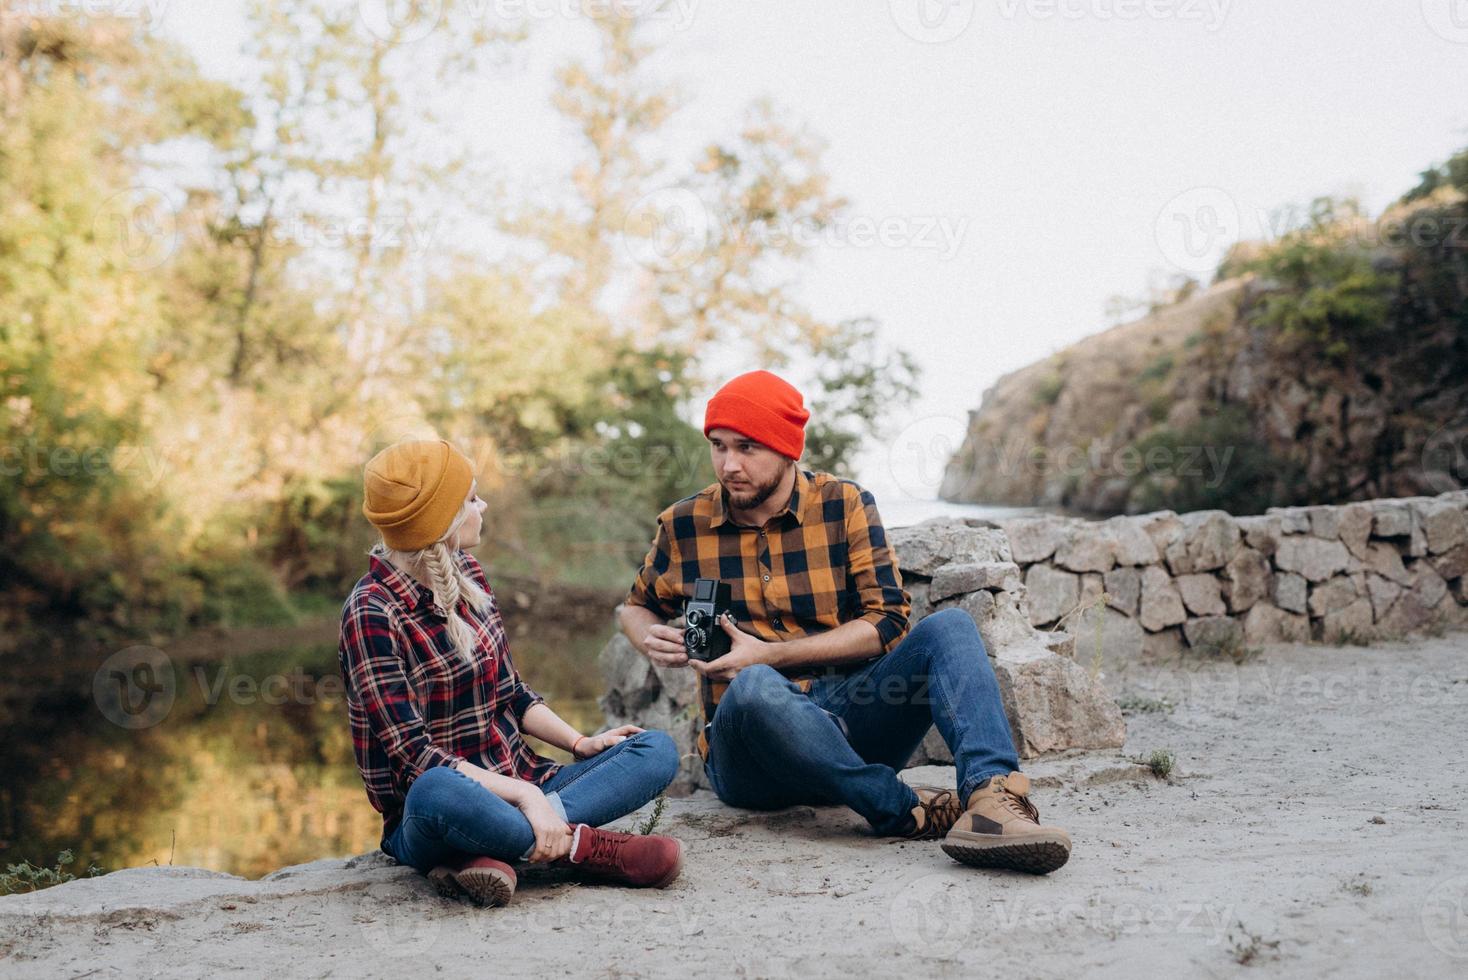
[
  {"x": 448, "y": 582},
  {"x": 444, "y": 581}
]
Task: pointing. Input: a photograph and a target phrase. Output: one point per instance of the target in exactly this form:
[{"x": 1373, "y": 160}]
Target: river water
[{"x": 251, "y": 767}]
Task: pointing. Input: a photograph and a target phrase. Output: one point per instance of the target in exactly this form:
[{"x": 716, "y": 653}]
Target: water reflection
[{"x": 250, "y": 770}]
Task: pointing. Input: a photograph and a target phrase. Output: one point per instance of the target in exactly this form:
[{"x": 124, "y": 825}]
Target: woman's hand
[
  {"x": 552, "y": 835},
  {"x": 590, "y": 745}
]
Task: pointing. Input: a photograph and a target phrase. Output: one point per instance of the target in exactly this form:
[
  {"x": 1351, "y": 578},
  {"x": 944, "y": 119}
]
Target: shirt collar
[
  {"x": 408, "y": 590},
  {"x": 796, "y": 507}
]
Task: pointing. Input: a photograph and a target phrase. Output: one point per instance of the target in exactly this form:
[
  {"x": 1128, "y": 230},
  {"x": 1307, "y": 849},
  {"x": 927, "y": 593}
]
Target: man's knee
[
  {"x": 755, "y": 693},
  {"x": 950, "y": 631}
]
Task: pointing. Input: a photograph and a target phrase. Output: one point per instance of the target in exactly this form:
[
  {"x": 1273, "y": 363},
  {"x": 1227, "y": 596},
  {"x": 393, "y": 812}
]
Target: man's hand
[
  {"x": 664, "y": 646},
  {"x": 744, "y": 651}
]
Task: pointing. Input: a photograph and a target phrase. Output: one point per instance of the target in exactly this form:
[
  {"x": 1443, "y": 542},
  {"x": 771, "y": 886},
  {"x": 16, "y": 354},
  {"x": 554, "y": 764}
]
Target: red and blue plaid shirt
[{"x": 414, "y": 703}]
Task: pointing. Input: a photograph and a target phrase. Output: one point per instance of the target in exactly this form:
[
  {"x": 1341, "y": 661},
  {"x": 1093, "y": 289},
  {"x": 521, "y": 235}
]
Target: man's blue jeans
[
  {"x": 772, "y": 746},
  {"x": 449, "y": 817}
]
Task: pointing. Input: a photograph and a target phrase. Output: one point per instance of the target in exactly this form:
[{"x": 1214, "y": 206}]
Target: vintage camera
[{"x": 703, "y": 636}]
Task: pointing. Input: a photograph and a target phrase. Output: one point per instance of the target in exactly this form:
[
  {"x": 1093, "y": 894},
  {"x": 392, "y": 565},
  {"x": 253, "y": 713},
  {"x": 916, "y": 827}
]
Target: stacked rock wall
[{"x": 1159, "y": 583}]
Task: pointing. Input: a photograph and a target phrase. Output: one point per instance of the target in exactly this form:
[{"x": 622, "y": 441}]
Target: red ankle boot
[{"x": 638, "y": 860}]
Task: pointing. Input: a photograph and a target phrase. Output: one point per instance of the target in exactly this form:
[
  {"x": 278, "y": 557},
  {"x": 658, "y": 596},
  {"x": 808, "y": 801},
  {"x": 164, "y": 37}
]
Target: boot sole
[
  {"x": 483, "y": 886},
  {"x": 1038, "y": 855}
]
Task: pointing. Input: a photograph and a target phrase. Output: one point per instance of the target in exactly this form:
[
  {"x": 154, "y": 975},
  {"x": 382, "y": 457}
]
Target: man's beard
[{"x": 751, "y": 499}]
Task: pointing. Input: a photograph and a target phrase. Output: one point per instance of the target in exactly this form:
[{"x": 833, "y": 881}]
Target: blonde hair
[{"x": 447, "y": 579}]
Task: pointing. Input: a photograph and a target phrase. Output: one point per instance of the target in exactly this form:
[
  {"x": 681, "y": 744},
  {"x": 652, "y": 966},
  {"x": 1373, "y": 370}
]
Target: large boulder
[
  {"x": 638, "y": 693},
  {"x": 957, "y": 578},
  {"x": 1209, "y": 540},
  {"x": 1315, "y": 558},
  {"x": 924, "y": 548},
  {"x": 1245, "y": 580},
  {"x": 1033, "y": 539},
  {"x": 1123, "y": 589},
  {"x": 1445, "y": 526},
  {"x": 1161, "y": 606},
  {"x": 1267, "y": 623},
  {"x": 1052, "y": 593},
  {"x": 1201, "y": 594},
  {"x": 1054, "y": 703}
]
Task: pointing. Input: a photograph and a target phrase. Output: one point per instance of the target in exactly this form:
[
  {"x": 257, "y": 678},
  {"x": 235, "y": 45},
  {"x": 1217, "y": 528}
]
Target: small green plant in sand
[
  {"x": 650, "y": 824},
  {"x": 1248, "y": 947},
  {"x": 27, "y": 877},
  {"x": 1161, "y": 762}
]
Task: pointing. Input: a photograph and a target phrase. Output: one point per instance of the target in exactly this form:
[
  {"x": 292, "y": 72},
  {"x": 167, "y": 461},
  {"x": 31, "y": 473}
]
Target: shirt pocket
[{"x": 431, "y": 682}]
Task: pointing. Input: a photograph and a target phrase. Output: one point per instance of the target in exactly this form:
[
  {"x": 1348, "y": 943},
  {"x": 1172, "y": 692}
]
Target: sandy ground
[{"x": 1313, "y": 826}]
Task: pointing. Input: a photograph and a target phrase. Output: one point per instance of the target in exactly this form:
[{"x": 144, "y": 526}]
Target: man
[{"x": 825, "y": 692}]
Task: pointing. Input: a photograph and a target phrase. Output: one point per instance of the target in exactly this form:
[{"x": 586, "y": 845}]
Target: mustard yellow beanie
[{"x": 413, "y": 491}]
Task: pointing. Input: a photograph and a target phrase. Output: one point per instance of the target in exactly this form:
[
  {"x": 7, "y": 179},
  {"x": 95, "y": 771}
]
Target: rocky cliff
[{"x": 1327, "y": 366}]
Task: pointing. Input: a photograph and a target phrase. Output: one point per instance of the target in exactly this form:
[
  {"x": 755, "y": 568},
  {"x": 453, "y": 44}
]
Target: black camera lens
[
  {"x": 695, "y": 617},
  {"x": 695, "y": 638}
]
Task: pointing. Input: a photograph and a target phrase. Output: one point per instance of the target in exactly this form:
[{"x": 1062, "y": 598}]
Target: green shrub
[
  {"x": 1158, "y": 370},
  {"x": 27, "y": 877},
  {"x": 1047, "y": 392},
  {"x": 1215, "y": 463},
  {"x": 1329, "y": 296}
]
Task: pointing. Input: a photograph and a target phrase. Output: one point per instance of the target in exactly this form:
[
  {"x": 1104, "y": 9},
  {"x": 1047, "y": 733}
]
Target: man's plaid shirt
[
  {"x": 821, "y": 562},
  {"x": 414, "y": 703}
]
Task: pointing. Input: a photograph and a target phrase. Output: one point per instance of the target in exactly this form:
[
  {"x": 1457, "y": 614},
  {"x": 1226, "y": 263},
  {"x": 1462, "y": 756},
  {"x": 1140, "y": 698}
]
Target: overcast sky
[{"x": 1028, "y": 158}]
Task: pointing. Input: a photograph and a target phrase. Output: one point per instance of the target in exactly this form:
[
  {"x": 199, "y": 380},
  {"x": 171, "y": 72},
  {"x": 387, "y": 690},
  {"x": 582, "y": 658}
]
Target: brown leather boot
[
  {"x": 483, "y": 879},
  {"x": 936, "y": 812},
  {"x": 639, "y": 860},
  {"x": 1001, "y": 829}
]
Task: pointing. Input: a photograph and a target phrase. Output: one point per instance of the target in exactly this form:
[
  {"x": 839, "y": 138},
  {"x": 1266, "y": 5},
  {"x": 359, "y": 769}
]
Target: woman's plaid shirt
[
  {"x": 414, "y": 703},
  {"x": 821, "y": 562}
]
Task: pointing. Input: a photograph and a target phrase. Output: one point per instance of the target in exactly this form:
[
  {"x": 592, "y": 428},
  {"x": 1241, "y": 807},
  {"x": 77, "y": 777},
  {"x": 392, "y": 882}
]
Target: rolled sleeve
[
  {"x": 654, "y": 587},
  {"x": 375, "y": 679},
  {"x": 522, "y": 698},
  {"x": 872, "y": 570}
]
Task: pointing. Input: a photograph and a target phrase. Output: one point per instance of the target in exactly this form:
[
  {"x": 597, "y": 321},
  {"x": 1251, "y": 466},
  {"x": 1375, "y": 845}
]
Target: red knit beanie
[{"x": 763, "y": 407}]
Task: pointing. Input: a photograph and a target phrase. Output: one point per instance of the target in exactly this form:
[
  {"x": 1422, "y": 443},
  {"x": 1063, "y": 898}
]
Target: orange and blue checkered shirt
[
  {"x": 414, "y": 703},
  {"x": 821, "y": 562}
]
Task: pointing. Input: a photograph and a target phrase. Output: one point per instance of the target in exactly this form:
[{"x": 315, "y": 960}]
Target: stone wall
[
  {"x": 1053, "y": 702},
  {"x": 1159, "y": 583}
]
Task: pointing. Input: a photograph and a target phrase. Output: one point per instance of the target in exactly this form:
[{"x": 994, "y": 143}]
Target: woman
[{"x": 438, "y": 710}]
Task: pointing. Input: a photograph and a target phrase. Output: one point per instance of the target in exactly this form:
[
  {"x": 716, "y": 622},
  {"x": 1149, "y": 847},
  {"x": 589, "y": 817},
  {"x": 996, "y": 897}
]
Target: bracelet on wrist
[{"x": 578, "y": 741}]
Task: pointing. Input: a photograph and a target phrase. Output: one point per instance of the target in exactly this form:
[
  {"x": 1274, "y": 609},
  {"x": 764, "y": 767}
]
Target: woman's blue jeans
[
  {"x": 772, "y": 746},
  {"x": 449, "y": 817}
]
